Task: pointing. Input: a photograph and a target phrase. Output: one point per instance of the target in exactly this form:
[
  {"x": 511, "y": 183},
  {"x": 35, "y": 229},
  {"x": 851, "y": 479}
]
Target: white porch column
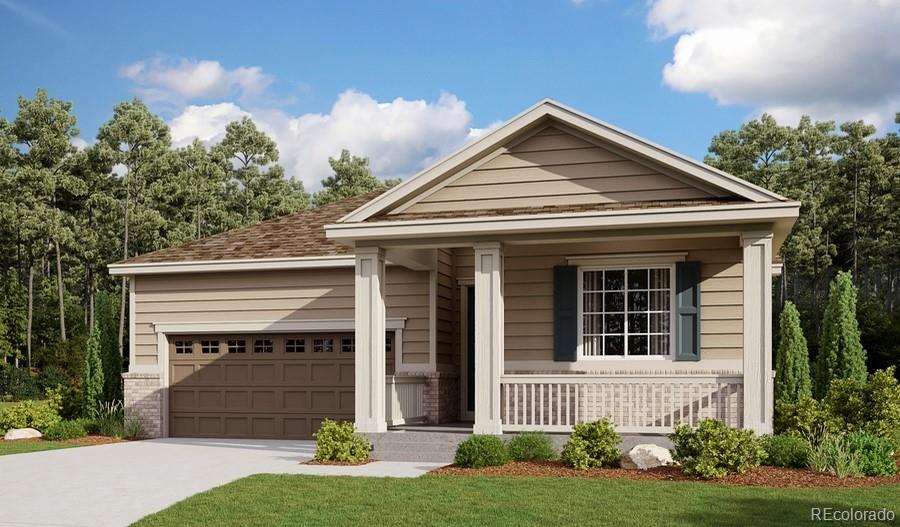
[
  {"x": 369, "y": 326},
  {"x": 488, "y": 337},
  {"x": 758, "y": 386}
]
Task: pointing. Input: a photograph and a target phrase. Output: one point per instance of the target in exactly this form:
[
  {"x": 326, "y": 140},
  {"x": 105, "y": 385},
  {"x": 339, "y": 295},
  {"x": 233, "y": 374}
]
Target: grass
[
  {"x": 22, "y": 447},
  {"x": 284, "y": 500}
]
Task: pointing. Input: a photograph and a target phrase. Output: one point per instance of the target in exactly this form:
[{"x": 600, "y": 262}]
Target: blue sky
[{"x": 319, "y": 74}]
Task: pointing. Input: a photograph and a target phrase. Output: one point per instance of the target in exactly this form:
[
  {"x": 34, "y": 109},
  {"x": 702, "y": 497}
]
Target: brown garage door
[{"x": 259, "y": 386}]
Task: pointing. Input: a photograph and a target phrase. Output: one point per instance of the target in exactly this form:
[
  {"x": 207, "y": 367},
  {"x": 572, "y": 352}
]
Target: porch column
[
  {"x": 488, "y": 336},
  {"x": 758, "y": 382},
  {"x": 370, "y": 353}
]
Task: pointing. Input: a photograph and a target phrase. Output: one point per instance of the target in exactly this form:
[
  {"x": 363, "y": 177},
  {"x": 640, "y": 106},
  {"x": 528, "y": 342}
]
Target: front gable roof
[{"x": 549, "y": 156}]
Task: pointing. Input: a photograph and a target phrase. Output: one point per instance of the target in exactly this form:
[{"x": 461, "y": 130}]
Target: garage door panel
[{"x": 285, "y": 392}]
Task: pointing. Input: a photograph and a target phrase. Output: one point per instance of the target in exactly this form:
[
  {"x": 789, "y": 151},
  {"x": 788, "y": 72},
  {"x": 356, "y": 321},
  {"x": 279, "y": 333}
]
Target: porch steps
[{"x": 416, "y": 445}]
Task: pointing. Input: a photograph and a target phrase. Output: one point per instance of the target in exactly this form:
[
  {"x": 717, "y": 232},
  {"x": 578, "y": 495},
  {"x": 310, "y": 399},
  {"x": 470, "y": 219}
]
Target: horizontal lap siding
[
  {"x": 274, "y": 295},
  {"x": 554, "y": 167},
  {"x": 528, "y": 291},
  {"x": 446, "y": 302}
]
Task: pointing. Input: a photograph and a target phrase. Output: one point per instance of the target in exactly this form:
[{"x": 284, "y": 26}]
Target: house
[{"x": 557, "y": 270}]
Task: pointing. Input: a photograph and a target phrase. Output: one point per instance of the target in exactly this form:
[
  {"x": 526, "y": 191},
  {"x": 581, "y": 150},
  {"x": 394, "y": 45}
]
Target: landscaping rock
[
  {"x": 22, "y": 433},
  {"x": 646, "y": 456}
]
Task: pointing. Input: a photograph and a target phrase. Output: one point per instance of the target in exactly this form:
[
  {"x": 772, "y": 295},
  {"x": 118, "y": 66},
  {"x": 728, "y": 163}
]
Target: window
[
  {"x": 388, "y": 343},
  {"x": 626, "y": 312},
  {"x": 295, "y": 345},
  {"x": 237, "y": 346},
  {"x": 209, "y": 346},
  {"x": 323, "y": 345},
  {"x": 263, "y": 346},
  {"x": 348, "y": 344},
  {"x": 183, "y": 347}
]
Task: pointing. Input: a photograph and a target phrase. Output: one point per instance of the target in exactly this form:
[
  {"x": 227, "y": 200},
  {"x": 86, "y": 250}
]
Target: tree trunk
[
  {"x": 124, "y": 291},
  {"x": 60, "y": 289},
  {"x": 30, "y": 311}
]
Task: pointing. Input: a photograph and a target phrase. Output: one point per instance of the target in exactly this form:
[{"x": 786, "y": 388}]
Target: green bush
[
  {"x": 40, "y": 415},
  {"x": 133, "y": 429},
  {"x": 110, "y": 418},
  {"x": 873, "y": 406},
  {"x": 804, "y": 418},
  {"x": 593, "y": 444},
  {"x": 340, "y": 442},
  {"x": 875, "y": 454},
  {"x": 531, "y": 446},
  {"x": 713, "y": 450},
  {"x": 18, "y": 384},
  {"x": 481, "y": 451},
  {"x": 786, "y": 451},
  {"x": 89, "y": 424},
  {"x": 65, "y": 430},
  {"x": 51, "y": 377},
  {"x": 833, "y": 454}
]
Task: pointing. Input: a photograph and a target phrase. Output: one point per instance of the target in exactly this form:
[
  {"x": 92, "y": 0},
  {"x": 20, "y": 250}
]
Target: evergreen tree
[
  {"x": 109, "y": 350},
  {"x": 841, "y": 355},
  {"x": 792, "y": 381},
  {"x": 352, "y": 177},
  {"x": 92, "y": 373}
]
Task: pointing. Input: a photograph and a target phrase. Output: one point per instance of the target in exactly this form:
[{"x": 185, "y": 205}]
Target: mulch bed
[
  {"x": 760, "y": 477},
  {"x": 337, "y": 463},
  {"x": 86, "y": 440}
]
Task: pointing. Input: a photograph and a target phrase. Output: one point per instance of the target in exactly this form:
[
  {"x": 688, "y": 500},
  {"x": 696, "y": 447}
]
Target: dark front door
[{"x": 470, "y": 350}]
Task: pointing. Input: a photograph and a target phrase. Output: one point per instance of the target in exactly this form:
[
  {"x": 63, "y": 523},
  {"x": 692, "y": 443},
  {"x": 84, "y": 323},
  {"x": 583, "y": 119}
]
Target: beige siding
[
  {"x": 554, "y": 167},
  {"x": 528, "y": 292},
  {"x": 275, "y": 295},
  {"x": 446, "y": 302}
]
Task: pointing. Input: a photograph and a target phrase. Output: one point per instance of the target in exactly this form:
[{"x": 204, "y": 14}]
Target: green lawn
[
  {"x": 21, "y": 447},
  {"x": 283, "y": 500}
]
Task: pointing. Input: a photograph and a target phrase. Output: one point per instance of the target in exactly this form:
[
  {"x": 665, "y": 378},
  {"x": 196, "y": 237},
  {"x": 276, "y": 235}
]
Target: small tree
[
  {"x": 92, "y": 376},
  {"x": 792, "y": 381},
  {"x": 841, "y": 355},
  {"x": 109, "y": 350}
]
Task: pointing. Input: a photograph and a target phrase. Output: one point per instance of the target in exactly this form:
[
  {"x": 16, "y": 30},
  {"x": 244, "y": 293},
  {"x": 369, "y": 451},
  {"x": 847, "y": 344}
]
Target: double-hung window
[{"x": 626, "y": 311}]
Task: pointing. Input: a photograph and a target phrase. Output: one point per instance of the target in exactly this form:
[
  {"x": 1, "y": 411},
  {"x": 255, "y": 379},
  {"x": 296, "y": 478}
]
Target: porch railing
[
  {"x": 635, "y": 403},
  {"x": 404, "y": 399}
]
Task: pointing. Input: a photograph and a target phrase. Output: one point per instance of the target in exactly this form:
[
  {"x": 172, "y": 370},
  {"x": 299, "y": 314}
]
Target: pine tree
[
  {"x": 792, "y": 381},
  {"x": 109, "y": 349},
  {"x": 92, "y": 375},
  {"x": 841, "y": 355}
]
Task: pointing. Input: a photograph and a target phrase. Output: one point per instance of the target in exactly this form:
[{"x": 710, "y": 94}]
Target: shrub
[
  {"x": 804, "y": 417},
  {"x": 65, "y": 430},
  {"x": 51, "y": 377},
  {"x": 340, "y": 442},
  {"x": 593, "y": 444},
  {"x": 531, "y": 446},
  {"x": 792, "y": 381},
  {"x": 40, "y": 415},
  {"x": 874, "y": 453},
  {"x": 833, "y": 454},
  {"x": 89, "y": 424},
  {"x": 713, "y": 450},
  {"x": 481, "y": 451},
  {"x": 92, "y": 373},
  {"x": 18, "y": 383},
  {"x": 133, "y": 429},
  {"x": 841, "y": 355},
  {"x": 873, "y": 406},
  {"x": 786, "y": 451}
]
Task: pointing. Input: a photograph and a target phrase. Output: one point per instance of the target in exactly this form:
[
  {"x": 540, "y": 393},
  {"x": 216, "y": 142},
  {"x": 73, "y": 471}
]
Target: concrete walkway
[{"x": 117, "y": 484}]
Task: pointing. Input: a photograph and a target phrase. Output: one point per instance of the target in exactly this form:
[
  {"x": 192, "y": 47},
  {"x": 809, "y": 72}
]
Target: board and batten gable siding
[
  {"x": 554, "y": 167},
  {"x": 528, "y": 293},
  {"x": 310, "y": 294}
]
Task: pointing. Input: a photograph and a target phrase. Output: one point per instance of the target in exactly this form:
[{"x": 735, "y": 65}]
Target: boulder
[
  {"x": 22, "y": 433},
  {"x": 646, "y": 456}
]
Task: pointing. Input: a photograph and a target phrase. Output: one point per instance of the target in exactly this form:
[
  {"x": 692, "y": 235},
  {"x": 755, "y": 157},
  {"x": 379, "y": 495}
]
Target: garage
[{"x": 275, "y": 386}]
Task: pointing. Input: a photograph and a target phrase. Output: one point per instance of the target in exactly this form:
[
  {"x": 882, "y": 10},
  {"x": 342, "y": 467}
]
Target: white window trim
[{"x": 623, "y": 266}]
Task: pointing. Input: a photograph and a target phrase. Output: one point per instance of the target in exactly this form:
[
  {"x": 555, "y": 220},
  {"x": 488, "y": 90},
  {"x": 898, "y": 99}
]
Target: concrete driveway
[{"x": 120, "y": 483}]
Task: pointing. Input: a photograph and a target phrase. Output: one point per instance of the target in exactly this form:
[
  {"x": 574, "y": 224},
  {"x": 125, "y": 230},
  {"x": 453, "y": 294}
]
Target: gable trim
[
  {"x": 551, "y": 109},
  {"x": 208, "y": 266}
]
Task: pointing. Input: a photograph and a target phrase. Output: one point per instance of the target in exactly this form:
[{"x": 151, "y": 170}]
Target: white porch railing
[
  {"x": 404, "y": 399},
  {"x": 635, "y": 403}
]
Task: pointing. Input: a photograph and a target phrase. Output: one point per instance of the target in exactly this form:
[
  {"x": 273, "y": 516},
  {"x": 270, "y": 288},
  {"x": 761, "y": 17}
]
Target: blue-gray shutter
[
  {"x": 687, "y": 311},
  {"x": 565, "y": 313}
]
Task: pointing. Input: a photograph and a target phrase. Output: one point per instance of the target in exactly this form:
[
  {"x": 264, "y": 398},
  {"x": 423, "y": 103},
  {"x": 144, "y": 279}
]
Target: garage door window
[
  {"x": 263, "y": 346},
  {"x": 295, "y": 345},
  {"x": 323, "y": 345},
  {"x": 209, "y": 346},
  {"x": 237, "y": 346},
  {"x": 348, "y": 344},
  {"x": 183, "y": 347}
]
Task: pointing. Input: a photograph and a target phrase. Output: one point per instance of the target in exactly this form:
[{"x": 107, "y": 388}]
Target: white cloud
[
  {"x": 832, "y": 59},
  {"x": 400, "y": 137},
  {"x": 164, "y": 80}
]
